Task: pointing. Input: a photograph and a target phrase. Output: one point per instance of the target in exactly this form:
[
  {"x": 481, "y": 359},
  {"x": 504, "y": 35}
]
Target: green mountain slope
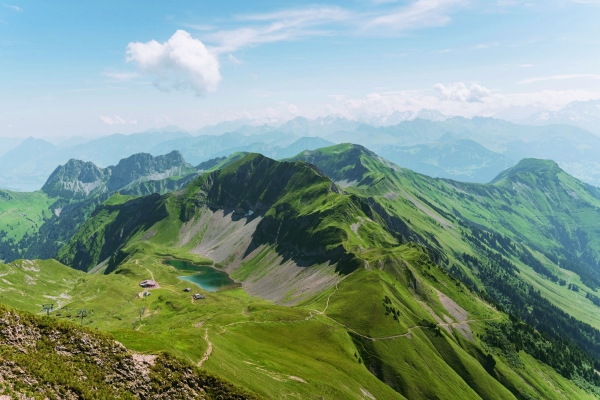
[
  {"x": 387, "y": 326},
  {"x": 511, "y": 240},
  {"x": 40, "y": 222},
  {"x": 296, "y": 209},
  {"x": 370, "y": 312}
]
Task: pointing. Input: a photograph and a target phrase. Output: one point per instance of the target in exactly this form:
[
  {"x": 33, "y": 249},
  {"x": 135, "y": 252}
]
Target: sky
[{"x": 93, "y": 68}]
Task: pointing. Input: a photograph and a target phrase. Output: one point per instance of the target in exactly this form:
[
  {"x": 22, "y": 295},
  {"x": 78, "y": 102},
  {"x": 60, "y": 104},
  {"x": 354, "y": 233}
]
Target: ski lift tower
[
  {"x": 47, "y": 308},
  {"x": 82, "y": 314}
]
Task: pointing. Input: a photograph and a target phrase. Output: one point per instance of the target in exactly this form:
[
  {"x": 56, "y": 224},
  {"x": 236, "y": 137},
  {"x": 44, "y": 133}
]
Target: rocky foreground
[{"x": 43, "y": 358}]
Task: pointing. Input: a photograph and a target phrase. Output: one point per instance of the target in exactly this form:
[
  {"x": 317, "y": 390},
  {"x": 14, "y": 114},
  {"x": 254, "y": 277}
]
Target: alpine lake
[{"x": 207, "y": 278}]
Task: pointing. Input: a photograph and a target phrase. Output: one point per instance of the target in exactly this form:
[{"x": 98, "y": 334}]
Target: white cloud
[
  {"x": 15, "y": 8},
  {"x": 484, "y": 46},
  {"x": 121, "y": 76},
  {"x": 460, "y": 92},
  {"x": 277, "y": 26},
  {"x": 377, "y": 107},
  {"x": 279, "y": 113},
  {"x": 419, "y": 14},
  {"x": 199, "y": 27},
  {"x": 300, "y": 15},
  {"x": 116, "y": 120},
  {"x": 558, "y": 78},
  {"x": 233, "y": 59},
  {"x": 294, "y": 24},
  {"x": 180, "y": 63},
  {"x": 454, "y": 100},
  {"x": 525, "y": 65},
  {"x": 9, "y": 126}
]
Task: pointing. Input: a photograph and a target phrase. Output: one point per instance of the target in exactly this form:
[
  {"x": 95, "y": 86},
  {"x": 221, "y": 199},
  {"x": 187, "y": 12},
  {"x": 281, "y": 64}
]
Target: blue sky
[{"x": 86, "y": 68}]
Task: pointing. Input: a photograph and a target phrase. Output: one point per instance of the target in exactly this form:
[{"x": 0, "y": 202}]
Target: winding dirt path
[
  {"x": 208, "y": 350},
  {"x": 151, "y": 274},
  {"x": 314, "y": 312}
]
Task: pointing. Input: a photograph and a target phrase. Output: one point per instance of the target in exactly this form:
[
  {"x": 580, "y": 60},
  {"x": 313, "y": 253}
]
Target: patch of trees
[
  {"x": 573, "y": 287},
  {"x": 443, "y": 213},
  {"x": 491, "y": 239},
  {"x": 458, "y": 272},
  {"x": 594, "y": 299},
  {"x": 504, "y": 287},
  {"x": 390, "y": 309},
  {"x": 57, "y": 230},
  {"x": 528, "y": 259},
  {"x": 587, "y": 275},
  {"x": 507, "y": 247},
  {"x": 566, "y": 358}
]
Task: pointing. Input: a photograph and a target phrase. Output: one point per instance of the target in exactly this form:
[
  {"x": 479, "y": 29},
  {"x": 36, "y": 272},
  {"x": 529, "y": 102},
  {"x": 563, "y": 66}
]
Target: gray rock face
[
  {"x": 75, "y": 179},
  {"x": 142, "y": 167},
  {"x": 79, "y": 179}
]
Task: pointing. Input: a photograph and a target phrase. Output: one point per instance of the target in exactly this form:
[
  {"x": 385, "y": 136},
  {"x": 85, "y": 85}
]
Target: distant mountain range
[
  {"x": 461, "y": 159},
  {"x": 27, "y": 166},
  {"x": 472, "y": 150},
  {"x": 584, "y": 114}
]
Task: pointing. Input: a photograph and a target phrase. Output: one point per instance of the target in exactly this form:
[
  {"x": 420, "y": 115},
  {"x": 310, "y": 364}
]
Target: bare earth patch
[
  {"x": 459, "y": 314},
  {"x": 225, "y": 240}
]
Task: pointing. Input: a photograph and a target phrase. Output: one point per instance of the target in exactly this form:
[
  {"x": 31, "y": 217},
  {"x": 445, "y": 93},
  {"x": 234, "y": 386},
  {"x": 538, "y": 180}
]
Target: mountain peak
[
  {"x": 345, "y": 163},
  {"x": 145, "y": 166},
  {"x": 529, "y": 166},
  {"x": 74, "y": 179}
]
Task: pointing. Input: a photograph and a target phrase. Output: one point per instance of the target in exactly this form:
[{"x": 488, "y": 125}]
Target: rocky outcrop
[
  {"x": 145, "y": 167},
  {"x": 139, "y": 174},
  {"x": 75, "y": 179},
  {"x": 60, "y": 360}
]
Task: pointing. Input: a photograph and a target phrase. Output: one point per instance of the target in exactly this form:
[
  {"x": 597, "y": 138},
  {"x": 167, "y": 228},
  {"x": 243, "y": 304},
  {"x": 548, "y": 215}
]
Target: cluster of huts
[
  {"x": 151, "y": 284},
  {"x": 197, "y": 296}
]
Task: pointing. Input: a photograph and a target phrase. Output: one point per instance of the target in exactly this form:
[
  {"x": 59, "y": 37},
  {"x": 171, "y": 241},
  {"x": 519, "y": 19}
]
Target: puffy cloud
[
  {"x": 181, "y": 63},
  {"x": 460, "y": 92},
  {"x": 454, "y": 101},
  {"x": 380, "y": 108},
  {"x": 116, "y": 120}
]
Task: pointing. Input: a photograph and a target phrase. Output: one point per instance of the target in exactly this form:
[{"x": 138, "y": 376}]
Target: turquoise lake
[{"x": 208, "y": 278}]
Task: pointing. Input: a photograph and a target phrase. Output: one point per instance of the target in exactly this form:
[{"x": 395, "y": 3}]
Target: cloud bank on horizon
[{"x": 193, "y": 65}]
